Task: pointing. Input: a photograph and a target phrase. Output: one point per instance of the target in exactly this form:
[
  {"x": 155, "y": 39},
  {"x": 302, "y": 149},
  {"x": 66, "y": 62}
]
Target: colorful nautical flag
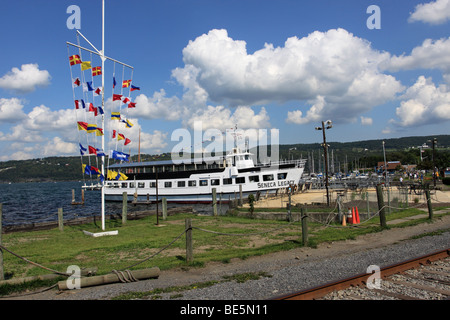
[
  {"x": 119, "y": 155},
  {"x": 82, "y": 149},
  {"x": 100, "y": 109},
  {"x": 98, "y": 91},
  {"x": 120, "y": 136},
  {"x": 125, "y": 100},
  {"x": 134, "y": 88},
  {"x": 92, "y": 150},
  {"x": 127, "y": 123},
  {"x": 114, "y": 82},
  {"x": 114, "y": 134},
  {"x": 132, "y": 105},
  {"x": 127, "y": 141},
  {"x": 91, "y": 128},
  {"x": 99, "y": 132},
  {"x": 75, "y": 59},
  {"x": 100, "y": 153},
  {"x": 82, "y": 104},
  {"x": 89, "y": 86},
  {"x": 115, "y": 115},
  {"x": 96, "y": 71},
  {"x": 117, "y": 97},
  {"x": 85, "y": 65},
  {"x": 76, "y": 82},
  {"x": 77, "y": 106},
  {"x": 82, "y": 125},
  {"x": 126, "y": 83}
]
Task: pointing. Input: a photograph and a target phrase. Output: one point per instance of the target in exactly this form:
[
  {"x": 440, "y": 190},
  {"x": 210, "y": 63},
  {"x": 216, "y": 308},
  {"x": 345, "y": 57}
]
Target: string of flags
[{"x": 83, "y": 103}]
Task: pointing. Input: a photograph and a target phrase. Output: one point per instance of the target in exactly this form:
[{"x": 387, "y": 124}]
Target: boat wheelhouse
[{"x": 193, "y": 181}]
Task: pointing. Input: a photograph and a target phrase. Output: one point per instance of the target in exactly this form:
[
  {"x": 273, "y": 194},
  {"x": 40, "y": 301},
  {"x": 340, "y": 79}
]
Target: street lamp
[
  {"x": 325, "y": 125},
  {"x": 434, "y": 141}
]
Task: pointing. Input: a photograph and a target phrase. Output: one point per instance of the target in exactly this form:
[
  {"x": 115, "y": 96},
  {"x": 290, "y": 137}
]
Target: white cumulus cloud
[
  {"x": 424, "y": 103},
  {"x": 25, "y": 79},
  {"x": 334, "y": 71},
  {"x": 436, "y": 12}
]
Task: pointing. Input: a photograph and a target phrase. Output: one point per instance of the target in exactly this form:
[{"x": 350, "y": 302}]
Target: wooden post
[
  {"x": 82, "y": 196},
  {"x": 73, "y": 195},
  {"x": 214, "y": 201},
  {"x": 189, "y": 251},
  {"x": 60, "y": 219},
  {"x": 157, "y": 200},
  {"x": 381, "y": 206},
  {"x": 304, "y": 226},
  {"x": 2, "y": 277},
  {"x": 289, "y": 207},
  {"x": 430, "y": 207},
  {"x": 124, "y": 207},
  {"x": 240, "y": 195},
  {"x": 164, "y": 208}
]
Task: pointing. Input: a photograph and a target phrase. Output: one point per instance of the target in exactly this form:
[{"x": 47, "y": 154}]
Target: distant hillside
[{"x": 347, "y": 156}]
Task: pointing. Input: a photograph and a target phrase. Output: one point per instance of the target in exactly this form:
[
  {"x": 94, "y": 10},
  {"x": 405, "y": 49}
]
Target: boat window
[
  {"x": 153, "y": 184},
  {"x": 141, "y": 184},
  {"x": 168, "y": 184},
  {"x": 268, "y": 177},
  {"x": 181, "y": 184},
  {"x": 246, "y": 157},
  {"x": 124, "y": 185},
  {"x": 253, "y": 178},
  {"x": 282, "y": 176},
  {"x": 132, "y": 185},
  {"x": 240, "y": 180},
  {"x": 192, "y": 183},
  {"x": 215, "y": 182},
  {"x": 227, "y": 181},
  {"x": 203, "y": 183}
]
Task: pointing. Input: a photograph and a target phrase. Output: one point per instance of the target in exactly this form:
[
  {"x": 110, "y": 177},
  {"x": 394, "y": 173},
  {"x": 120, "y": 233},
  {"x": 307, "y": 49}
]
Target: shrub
[{"x": 446, "y": 181}]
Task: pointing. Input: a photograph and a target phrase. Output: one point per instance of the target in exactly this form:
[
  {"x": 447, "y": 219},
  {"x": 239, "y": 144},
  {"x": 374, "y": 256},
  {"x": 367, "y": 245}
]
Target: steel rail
[{"x": 322, "y": 290}]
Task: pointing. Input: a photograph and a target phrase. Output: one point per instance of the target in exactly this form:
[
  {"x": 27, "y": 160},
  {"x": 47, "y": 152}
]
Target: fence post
[
  {"x": 240, "y": 195},
  {"x": 60, "y": 219},
  {"x": 189, "y": 251},
  {"x": 304, "y": 226},
  {"x": 430, "y": 207},
  {"x": 381, "y": 206},
  {"x": 214, "y": 201},
  {"x": 164, "y": 208},
  {"x": 2, "y": 277},
  {"x": 124, "y": 207}
]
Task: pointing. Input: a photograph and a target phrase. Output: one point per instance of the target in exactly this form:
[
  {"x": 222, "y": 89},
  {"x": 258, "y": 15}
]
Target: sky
[{"x": 376, "y": 69}]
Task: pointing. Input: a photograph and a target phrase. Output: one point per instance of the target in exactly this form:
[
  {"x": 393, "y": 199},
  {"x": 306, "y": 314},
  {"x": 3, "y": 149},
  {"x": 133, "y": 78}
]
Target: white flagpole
[{"x": 103, "y": 115}]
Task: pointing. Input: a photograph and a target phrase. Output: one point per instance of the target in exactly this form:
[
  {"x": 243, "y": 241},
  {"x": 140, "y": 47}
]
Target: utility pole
[{"x": 325, "y": 149}]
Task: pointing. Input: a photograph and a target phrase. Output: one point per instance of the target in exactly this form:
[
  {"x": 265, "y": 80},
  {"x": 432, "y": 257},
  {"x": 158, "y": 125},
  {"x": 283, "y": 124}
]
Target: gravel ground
[{"x": 286, "y": 272}]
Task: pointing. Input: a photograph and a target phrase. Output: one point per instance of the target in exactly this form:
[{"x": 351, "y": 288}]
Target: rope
[
  {"x": 240, "y": 234},
  {"x": 34, "y": 263},
  {"x": 125, "y": 276}
]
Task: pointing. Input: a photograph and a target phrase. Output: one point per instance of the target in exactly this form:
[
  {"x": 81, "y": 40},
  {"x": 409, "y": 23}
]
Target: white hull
[{"x": 198, "y": 187}]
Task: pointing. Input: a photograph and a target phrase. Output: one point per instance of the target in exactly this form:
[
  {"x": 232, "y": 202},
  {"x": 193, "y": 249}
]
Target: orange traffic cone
[
  {"x": 344, "y": 223},
  {"x": 357, "y": 216},
  {"x": 353, "y": 215},
  {"x": 349, "y": 216}
]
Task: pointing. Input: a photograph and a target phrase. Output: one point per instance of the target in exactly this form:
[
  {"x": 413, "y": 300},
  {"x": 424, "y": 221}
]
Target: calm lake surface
[{"x": 38, "y": 202}]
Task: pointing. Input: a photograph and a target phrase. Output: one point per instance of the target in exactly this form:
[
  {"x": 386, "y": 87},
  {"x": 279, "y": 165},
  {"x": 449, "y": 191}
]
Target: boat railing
[{"x": 298, "y": 163}]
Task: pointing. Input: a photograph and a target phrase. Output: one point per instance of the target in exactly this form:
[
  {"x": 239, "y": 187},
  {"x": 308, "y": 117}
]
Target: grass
[{"x": 138, "y": 240}]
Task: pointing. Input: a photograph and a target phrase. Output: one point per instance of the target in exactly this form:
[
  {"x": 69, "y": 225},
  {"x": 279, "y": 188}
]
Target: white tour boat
[{"x": 193, "y": 181}]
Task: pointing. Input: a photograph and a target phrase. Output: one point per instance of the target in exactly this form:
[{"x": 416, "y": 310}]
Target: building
[{"x": 391, "y": 166}]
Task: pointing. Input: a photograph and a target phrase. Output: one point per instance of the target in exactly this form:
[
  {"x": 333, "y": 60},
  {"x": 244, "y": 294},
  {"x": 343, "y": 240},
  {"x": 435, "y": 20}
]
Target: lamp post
[
  {"x": 434, "y": 141},
  {"x": 329, "y": 125}
]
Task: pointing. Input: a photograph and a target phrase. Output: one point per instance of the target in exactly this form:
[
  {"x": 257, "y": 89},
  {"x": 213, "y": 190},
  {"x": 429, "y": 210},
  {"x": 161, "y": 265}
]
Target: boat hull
[{"x": 143, "y": 190}]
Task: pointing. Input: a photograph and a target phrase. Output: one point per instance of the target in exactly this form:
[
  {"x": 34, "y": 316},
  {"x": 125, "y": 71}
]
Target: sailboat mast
[{"x": 103, "y": 107}]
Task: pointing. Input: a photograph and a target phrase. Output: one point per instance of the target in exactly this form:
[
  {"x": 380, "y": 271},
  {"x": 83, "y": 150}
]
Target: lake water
[{"x": 38, "y": 202}]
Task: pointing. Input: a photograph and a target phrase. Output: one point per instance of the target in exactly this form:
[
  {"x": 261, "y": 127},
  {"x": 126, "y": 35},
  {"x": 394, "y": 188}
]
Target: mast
[{"x": 103, "y": 107}]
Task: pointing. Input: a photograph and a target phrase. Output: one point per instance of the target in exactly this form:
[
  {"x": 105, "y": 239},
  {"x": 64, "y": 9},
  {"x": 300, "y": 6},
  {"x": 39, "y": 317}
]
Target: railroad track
[{"x": 423, "y": 278}]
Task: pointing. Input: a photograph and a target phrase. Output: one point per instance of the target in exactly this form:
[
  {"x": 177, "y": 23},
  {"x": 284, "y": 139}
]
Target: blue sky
[{"x": 260, "y": 64}]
